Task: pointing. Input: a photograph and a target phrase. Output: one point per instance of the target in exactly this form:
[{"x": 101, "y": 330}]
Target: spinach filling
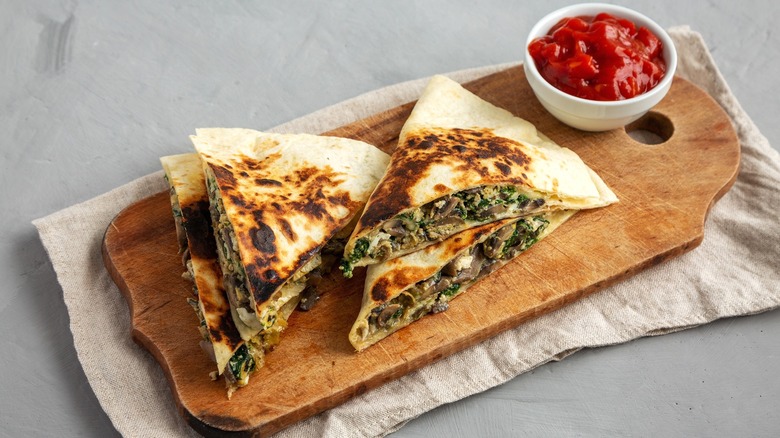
[
  {"x": 233, "y": 272},
  {"x": 433, "y": 294},
  {"x": 178, "y": 219},
  {"x": 250, "y": 355},
  {"x": 361, "y": 248},
  {"x": 244, "y": 362},
  {"x": 439, "y": 219},
  {"x": 241, "y": 363}
]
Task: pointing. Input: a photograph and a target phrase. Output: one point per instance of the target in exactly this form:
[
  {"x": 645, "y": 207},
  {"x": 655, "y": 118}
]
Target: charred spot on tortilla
[
  {"x": 343, "y": 199},
  {"x": 224, "y": 174},
  {"x": 287, "y": 229},
  {"x": 225, "y": 331},
  {"x": 247, "y": 162},
  {"x": 303, "y": 175},
  {"x": 271, "y": 276},
  {"x": 380, "y": 290},
  {"x": 264, "y": 281},
  {"x": 504, "y": 168},
  {"x": 383, "y": 288},
  {"x": 440, "y": 188},
  {"x": 240, "y": 200},
  {"x": 198, "y": 223},
  {"x": 263, "y": 238},
  {"x": 265, "y": 181}
]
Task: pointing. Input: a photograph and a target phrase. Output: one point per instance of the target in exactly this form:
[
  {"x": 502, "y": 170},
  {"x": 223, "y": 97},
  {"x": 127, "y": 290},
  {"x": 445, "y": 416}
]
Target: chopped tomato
[{"x": 599, "y": 57}]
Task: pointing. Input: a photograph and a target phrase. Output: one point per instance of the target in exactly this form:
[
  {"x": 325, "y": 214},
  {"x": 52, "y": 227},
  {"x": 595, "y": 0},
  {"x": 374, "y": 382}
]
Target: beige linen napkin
[{"x": 733, "y": 272}]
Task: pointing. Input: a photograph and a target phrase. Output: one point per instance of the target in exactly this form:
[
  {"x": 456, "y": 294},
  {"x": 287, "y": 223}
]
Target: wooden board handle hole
[{"x": 651, "y": 129}]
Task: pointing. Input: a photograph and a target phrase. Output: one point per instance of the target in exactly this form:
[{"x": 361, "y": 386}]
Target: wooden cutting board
[{"x": 665, "y": 191}]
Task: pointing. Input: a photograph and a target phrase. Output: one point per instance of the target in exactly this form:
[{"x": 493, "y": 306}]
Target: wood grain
[{"x": 665, "y": 193}]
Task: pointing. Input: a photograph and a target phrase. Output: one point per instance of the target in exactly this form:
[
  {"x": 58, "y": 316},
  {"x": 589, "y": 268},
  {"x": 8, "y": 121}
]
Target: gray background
[{"x": 93, "y": 92}]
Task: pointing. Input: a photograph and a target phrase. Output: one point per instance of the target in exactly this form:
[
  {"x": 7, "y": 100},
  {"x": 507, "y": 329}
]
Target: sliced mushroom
[
  {"x": 451, "y": 268},
  {"x": 387, "y": 314},
  {"x": 427, "y": 284},
  {"x": 334, "y": 246},
  {"x": 472, "y": 271},
  {"x": 309, "y": 297},
  {"x": 451, "y": 220},
  {"x": 524, "y": 203},
  {"x": 229, "y": 377},
  {"x": 492, "y": 247},
  {"x": 383, "y": 250},
  {"x": 494, "y": 244},
  {"x": 494, "y": 211},
  {"x": 444, "y": 283},
  {"x": 394, "y": 227},
  {"x": 425, "y": 289},
  {"x": 314, "y": 277},
  {"x": 236, "y": 286},
  {"x": 185, "y": 256},
  {"x": 447, "y": 208},
  {"x": 505, "y": 232}
]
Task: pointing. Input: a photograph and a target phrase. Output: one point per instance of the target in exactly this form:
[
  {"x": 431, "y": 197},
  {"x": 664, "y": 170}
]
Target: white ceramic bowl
[{"x": 593, "y": 115}]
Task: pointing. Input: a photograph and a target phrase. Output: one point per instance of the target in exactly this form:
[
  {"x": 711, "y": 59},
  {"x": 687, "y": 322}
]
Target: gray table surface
[{"x": 93, "y": 92}]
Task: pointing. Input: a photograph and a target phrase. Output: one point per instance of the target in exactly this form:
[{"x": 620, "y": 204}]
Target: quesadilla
[
  {"x": 462, "y": 162},
  {"x": 404, "y": 289},
  {"x": 237, "y": 349},
  {"x": 279, "y": 204}
]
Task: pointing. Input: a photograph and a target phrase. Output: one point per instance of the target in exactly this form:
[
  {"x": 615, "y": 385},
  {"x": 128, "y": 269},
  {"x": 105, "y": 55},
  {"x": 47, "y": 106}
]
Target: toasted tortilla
[
  {"x": 454, "y": 142},
  {"x": 285, "y": 196},
  {"x": 404, "y": 289},
  {"x": 185, "y": 176}
]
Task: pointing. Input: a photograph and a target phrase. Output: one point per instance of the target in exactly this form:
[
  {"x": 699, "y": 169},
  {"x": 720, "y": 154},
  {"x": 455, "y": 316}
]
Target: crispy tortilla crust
[
  {"x": 455, "y": 141},
  {"x": 388, "y": 280},
  {"x": 184, "y": 174},
  {"x": 286, "y": 196},
  {"x": 477, "y": 157},
  {"x": 399, "y": 273},
  {"x": 208, "y": 278},
  {"x": 262, "y": 223}
]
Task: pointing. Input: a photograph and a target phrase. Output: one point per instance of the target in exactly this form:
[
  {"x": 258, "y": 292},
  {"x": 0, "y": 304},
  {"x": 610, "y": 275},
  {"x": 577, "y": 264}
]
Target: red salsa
[{"x": 599, "y": 58}]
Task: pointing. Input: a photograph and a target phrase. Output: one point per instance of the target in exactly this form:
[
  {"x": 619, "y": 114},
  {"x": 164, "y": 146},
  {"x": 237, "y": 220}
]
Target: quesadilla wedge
[
  {"x": 462, "y": 162},
  {"x": 237, "y": 349},
  {"x": 404, "y": 289},
  {"x": 278, "y": 204}
]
